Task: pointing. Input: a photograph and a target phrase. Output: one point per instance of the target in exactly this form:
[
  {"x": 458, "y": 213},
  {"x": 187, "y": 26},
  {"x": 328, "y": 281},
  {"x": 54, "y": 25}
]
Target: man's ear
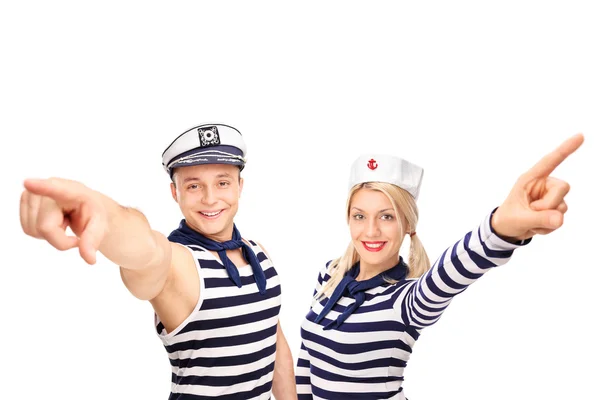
[{"x": 174, "y": 191}]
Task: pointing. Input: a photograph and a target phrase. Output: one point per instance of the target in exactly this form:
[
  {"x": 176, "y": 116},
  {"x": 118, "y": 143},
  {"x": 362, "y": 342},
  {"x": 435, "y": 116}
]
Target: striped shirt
[
  {"x": 225, "y": 349},
  {"x": 365, "y": 357}
]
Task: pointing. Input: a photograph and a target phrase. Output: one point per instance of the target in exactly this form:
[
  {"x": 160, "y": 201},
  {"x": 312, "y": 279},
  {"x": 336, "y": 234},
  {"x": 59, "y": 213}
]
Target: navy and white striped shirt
[
  {"x": 226, "y": 348},
  {"x": 365, "y": 357}
]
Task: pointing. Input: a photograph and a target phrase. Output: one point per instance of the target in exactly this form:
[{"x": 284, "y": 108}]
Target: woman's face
[{"x": 375, "y": 229}]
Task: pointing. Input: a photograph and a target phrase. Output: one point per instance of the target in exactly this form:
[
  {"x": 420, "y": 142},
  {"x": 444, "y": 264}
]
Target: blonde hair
[{"x": 405, "y": 209}]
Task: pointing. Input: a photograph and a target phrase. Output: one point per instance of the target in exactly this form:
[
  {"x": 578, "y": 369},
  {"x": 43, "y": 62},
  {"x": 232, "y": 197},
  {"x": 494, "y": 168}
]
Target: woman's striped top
[
  {"x": 226, "y": 348},
  {"x": 365, "y": 357}
]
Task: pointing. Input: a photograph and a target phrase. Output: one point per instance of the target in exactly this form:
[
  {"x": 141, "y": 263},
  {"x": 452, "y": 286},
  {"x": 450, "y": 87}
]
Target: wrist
[{"x": 497, "y": 223}]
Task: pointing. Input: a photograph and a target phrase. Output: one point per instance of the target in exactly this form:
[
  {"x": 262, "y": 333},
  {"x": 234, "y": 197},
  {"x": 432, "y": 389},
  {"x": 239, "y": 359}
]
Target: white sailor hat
[
  {"x": 389, "y": 169},
  {"x": 206, "y": 144}
]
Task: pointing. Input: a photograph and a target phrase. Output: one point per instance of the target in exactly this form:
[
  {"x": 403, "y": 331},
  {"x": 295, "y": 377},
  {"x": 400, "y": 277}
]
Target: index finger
[
  {"x": 61, "y": 190},
  {"x": 550, "y": 161}
]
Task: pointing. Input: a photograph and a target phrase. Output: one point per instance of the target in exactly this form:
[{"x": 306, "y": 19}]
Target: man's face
[{"x": 208, "y": 197}]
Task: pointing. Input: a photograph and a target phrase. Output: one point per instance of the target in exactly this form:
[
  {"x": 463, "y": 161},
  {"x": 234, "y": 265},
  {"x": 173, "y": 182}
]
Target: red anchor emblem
[{"x": 372, "y": 164}]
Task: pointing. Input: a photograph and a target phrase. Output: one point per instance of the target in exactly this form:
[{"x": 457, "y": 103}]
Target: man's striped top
[{"x": 226, "y": 348}]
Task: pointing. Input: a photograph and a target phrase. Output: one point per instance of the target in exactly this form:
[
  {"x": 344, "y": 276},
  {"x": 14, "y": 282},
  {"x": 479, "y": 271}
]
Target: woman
[{"x": 370, "y": 306}]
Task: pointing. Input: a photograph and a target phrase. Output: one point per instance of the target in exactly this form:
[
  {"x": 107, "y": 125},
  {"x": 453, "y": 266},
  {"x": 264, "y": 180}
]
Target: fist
[{"x": 49, "y": 206}]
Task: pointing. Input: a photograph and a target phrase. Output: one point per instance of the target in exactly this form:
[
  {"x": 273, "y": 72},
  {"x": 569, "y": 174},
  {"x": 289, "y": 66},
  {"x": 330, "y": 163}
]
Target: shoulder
[
  {"x": 259, "y": 250},
  {"x": 187, "y": 252},
  {"x": 183, "y": 259},
  {"x": 326, "y": 271}
]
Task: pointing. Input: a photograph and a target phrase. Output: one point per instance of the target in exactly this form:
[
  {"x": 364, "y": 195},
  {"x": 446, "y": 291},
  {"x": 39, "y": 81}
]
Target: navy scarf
[
  {"x": 187, "y": 236},
  {"x": 356, "y": 289}
]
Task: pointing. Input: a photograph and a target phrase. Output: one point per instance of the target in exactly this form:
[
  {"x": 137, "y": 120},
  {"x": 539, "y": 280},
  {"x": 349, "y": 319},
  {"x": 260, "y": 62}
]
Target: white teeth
[
  {"x": 374, "y": 245},
  {"x": 212, "y": 214}
]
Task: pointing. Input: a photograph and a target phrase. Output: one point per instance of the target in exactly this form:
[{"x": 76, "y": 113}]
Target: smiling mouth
[
  {"x": 211, "y": 214},
  {"x": 373, "y": 246}
]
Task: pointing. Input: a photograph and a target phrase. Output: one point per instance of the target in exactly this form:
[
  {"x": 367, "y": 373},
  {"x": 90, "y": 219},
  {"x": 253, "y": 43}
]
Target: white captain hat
[
  {"x": 206, "y": 144},
  {"x": 389, "y": 169}
]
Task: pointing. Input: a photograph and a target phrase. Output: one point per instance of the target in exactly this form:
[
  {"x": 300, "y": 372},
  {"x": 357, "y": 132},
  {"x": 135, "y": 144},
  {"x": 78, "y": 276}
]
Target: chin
[
  {"x": 210, "y": 230},
  {"x": 373, "y": 260},
  {"x": 377, "y": 258}
]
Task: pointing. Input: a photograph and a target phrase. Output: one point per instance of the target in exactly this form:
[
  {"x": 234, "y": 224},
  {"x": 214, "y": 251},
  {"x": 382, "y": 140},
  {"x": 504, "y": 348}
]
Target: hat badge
[
  {"x": 372, "y": 164},
  {"x": 209, "y": 136}
]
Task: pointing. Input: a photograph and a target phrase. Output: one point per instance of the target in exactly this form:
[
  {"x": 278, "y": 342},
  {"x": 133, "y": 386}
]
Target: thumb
[
  {"x": 91, "y": 239},
  {"x": 546, "y": 219}
]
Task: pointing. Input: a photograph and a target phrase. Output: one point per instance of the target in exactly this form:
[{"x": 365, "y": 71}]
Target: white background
[{"x": 475, "y": 92}]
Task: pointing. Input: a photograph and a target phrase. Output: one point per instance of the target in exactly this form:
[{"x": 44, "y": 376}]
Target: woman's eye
[
  {"x": 387, "y": 217},
  {"x": 358, "y": 216}
]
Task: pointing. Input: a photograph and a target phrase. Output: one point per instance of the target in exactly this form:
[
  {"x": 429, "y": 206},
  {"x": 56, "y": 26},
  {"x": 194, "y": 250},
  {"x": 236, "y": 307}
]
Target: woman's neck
[{"x": 368, "y": 271}]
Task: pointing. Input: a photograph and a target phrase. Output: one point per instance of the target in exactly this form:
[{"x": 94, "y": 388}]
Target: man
[{"x": 216, "y": 296}]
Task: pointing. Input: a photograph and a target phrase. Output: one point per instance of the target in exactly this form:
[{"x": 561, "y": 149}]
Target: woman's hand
[{"x": 536, "y": 204}]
